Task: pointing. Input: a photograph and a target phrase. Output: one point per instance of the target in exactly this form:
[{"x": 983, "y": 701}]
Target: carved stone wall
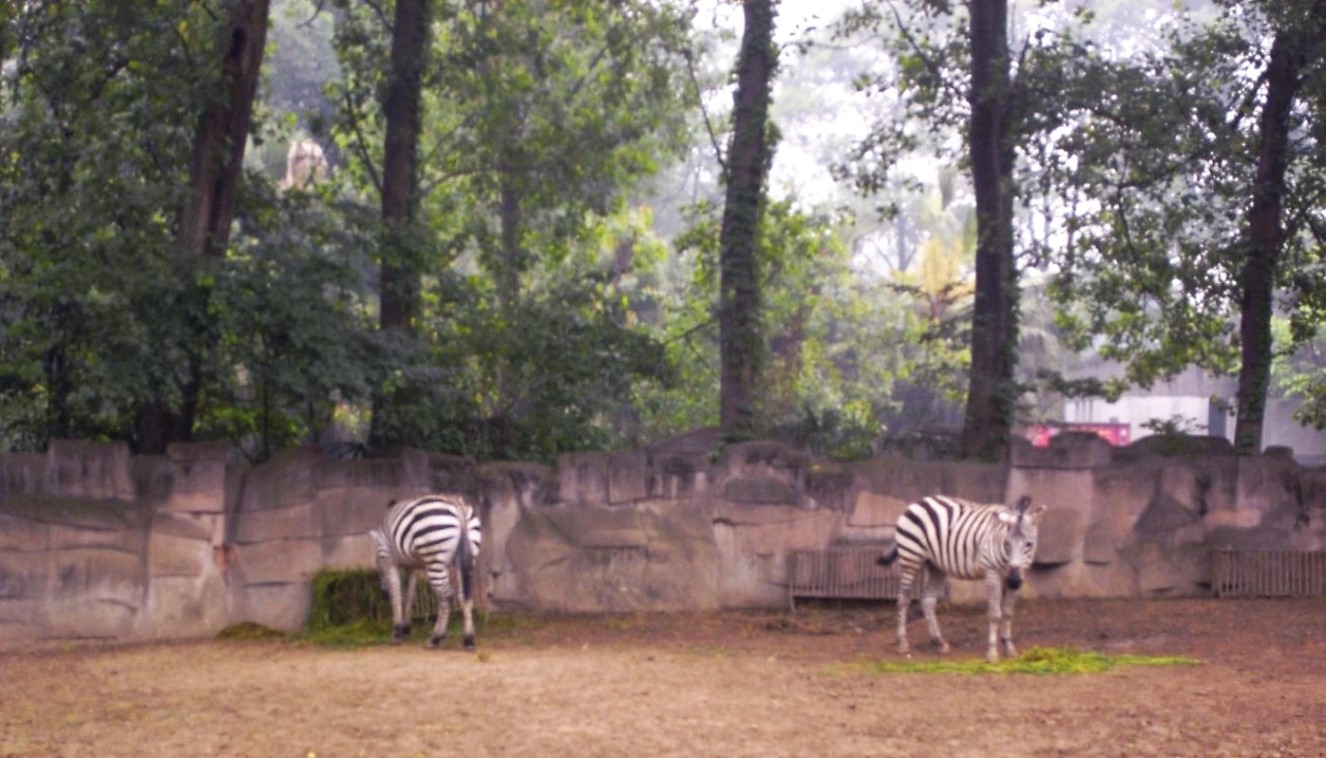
[{"x": 97, "y": 543}]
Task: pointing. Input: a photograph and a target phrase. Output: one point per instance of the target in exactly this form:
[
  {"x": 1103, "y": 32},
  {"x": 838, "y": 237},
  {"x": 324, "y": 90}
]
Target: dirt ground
[{"x": 764, "y": 683}]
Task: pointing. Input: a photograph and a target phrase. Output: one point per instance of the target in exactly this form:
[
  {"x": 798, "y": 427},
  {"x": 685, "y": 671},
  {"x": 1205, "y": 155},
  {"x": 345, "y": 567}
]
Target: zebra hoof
[
  {"x": 435, "y": 641},
  {"x": 469, "y": 642},
  {"x": 992, "y": 657},
  {"x": 399, "y": 634},
  {"x": 943, "y": 647}
]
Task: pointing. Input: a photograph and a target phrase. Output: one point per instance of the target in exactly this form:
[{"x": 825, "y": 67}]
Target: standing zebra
[
  {"x": 431, "y": 533},
  {"x": 941, "y": 536}
]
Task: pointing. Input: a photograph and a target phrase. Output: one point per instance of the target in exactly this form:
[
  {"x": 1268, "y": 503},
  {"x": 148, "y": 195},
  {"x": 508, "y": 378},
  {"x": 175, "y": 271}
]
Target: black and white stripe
[
  {"x": 940, "y": 536},
  {"x": 432, "y": 533}
]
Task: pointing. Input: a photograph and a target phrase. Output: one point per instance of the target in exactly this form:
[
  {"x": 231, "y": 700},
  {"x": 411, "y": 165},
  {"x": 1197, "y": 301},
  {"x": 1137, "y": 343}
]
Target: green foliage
[
  {"x": 1038, "y": 661},
  {"x": 554, "y": 317},
  {"x": 290, "y": 288},
  {"x": 831, "y": 342},
  {"x": 101, "y": 313},
  {"x": 537, "y": 121},
  {"x": 1155, "y": 161},
  {"x": 97, "y": 123}
]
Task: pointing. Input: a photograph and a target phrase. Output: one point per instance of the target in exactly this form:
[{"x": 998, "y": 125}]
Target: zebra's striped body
[
  {"x": 431, "y": 533},
  {"x": 940, "y": 536}
]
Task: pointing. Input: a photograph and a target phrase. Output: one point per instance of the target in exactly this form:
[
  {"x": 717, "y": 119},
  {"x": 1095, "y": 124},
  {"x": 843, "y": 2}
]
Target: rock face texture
[{"x": 95, "y": 542}]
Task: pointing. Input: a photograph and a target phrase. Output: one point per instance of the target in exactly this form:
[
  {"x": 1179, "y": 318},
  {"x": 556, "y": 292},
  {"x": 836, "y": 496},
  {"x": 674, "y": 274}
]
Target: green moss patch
[
  {"x": 248, "y": 630},
  {"x": 1037, "y": 660}
]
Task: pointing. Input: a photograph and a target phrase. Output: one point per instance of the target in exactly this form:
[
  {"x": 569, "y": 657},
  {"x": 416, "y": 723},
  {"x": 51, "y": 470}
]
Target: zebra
[
  {"x": 941, "y": 536},
  {"x": 430, "y": 533}
]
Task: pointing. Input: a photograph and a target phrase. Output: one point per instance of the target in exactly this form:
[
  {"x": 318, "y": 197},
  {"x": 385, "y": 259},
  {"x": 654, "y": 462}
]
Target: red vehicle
[{"x": 1115, "y": 434}]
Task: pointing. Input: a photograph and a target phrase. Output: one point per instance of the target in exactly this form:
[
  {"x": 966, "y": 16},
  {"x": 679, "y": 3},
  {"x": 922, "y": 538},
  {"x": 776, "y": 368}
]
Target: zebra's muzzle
[{"x": 1014, "y": 580}]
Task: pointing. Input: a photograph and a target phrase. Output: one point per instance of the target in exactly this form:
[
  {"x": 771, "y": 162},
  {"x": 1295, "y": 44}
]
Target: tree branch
[
  {"x": 704, "y": 112},
  {"x": 929, "y": 63},
  {"x": 361, "y": 143}
]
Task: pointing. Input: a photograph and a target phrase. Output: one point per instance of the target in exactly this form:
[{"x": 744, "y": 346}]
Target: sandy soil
[{"x": 730, "y": 684}]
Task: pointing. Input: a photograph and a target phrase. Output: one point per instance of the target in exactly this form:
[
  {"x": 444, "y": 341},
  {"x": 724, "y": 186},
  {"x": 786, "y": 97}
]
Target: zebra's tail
[
  {"x": 465, "y": 556},
  {"x": 889, "y": 556}
]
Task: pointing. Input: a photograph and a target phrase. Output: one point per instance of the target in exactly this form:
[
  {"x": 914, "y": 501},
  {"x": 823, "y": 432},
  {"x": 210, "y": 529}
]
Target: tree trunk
[
  {"x": 1265, "y": 235},
  {"x": 403, "y": 111},
  {"x": 747, "y": 165},
  {"x": 991, "y": 393},
  {"x": 400, "y": 171},
  {"x": 507, "y": 277},
  {"x": 204, "y": 222}
]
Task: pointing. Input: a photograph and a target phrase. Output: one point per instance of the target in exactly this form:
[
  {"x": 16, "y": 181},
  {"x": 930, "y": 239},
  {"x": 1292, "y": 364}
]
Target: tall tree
[
  {"x": 958, "y": 79},
  {"x": 991, "y": 392},
  {"x": 747, "y": 165},
  {"x": 1300, "y": 40},
  {"x": 400, "y": 267},
  {"x": 204, "y": 222}
]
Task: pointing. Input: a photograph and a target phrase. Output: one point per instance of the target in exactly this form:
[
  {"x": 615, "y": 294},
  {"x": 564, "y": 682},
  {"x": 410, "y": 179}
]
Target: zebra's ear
[
  {"x": 1024, "y": 504},
  {"x": 1036, "y": 513}
]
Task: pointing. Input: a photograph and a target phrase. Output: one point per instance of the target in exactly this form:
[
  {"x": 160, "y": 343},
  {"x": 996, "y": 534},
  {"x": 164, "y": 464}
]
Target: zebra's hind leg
[
  {"x": 467, "y": 612},
  {"x": 401, "y": 631},
  {"x": 904, "y": 600},
  {"x": 934, "y": 585},
  {"x": 442, "y": 591}
]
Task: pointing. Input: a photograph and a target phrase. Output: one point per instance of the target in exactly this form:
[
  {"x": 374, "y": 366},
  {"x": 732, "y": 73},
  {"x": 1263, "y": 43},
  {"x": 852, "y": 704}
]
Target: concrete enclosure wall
[{"x": 95, "y": 542}]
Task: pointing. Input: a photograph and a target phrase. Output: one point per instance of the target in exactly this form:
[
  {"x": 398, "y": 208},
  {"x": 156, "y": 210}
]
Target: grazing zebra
[
  {"x": 941, "y": 536},
  {"x": 431, "y": 533}
]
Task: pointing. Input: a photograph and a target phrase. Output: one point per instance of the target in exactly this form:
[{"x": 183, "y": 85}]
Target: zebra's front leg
[
  {"x": 995, "y": 586},
  {"x": 391, "y": 582},
  {"x": 934, "y": 586},
  {"x": 1006, "y": 633}
]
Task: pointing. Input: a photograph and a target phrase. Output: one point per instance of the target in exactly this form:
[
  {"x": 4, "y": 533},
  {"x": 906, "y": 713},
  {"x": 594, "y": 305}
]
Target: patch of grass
[
  {"x": 1037, "y": 660},
  {"x": 361, "y": 632},
  {"x": 248, "y": 630},
  {"x": 504, "y": 624}
]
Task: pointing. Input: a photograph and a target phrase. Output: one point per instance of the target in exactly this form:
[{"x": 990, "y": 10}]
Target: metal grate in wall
[
  {"x": 839, "y": 573},
  {"x": 1268, "y": 573}
]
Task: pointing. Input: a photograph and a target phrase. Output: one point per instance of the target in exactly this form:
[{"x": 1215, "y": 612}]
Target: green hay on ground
[
  {"x": 346, "y": 597},
  {"x": 1037, "y": 660},
  {"x": 348, "y": 609}
]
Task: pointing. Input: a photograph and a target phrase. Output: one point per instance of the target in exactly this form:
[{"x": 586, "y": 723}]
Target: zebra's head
[{"x": 1020, "y": 539}]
